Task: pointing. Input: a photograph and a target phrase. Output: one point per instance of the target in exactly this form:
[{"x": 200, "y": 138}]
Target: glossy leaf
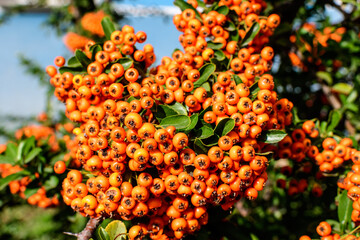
[
  {"x": 72, "y": 70},
  {"x": 200, "y": 148},
  {"x": 334, "y": 120},
  {"x": 178, "y": 121},
  {"x": 204, "y": 132},
  {"x": 73, "y": 62},
  {"x": 344, "y": 210},
  {"x": 194, "y": 120},
  {"x": 83, "y": 59},
  {"x": 33, "y": 153},
  {"x": 272, "y": 136},
  {"x": 29, "y": 144},
  {"x": 94, "y": 49},
  {"x": 250, "y": 34},
  {"x": 16, "y": 176},
  {"x": 116, "y": 230},
  {"x": 184, "y": 5},
  {"x": 178, "y": 108},
  {"x": 236, "y": 78},
  {"x": 224, "y": 10},
  {"x": 219, "y": 55},
  {"x": 214, "y": 45},
  {"x": 325, "y": 76},
  {"x": 224, "y": 126},
  {"x": 230, "y": 26},
  {"x": 102, "y": 234},
  {"x": 205, "y": 73},
  {"x": 343, "y": 88},
  {"x": 51, "y": 183},
  {"x": 30, "y": 191},
  {"x": 108, "y": 27},
  {"x": 125, "y": 62}
]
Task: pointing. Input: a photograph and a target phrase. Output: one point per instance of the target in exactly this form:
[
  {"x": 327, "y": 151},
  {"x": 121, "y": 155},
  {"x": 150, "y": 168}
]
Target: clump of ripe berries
[
  {"x": 325, "y": 231},
  {"x": 136, "y": 168}
]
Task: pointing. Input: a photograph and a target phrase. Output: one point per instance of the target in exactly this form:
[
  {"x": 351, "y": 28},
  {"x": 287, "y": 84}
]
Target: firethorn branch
[{"x": 88, "y": 231}]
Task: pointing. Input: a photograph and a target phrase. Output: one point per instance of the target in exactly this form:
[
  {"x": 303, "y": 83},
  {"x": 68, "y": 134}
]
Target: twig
[{"x": 87, "y": 232}]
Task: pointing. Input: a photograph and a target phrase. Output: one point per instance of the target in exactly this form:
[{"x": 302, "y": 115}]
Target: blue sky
[{"x": 25, "y": 34}]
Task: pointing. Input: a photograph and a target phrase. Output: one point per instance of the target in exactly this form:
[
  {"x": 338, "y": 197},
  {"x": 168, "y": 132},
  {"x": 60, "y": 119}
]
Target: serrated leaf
[
  {"x": 215, "y": 45},
  {"x": 224, "y": 10},
  {"x": 272, "y": 136},
  {"x": 205, "y": 73},
  {"x": 116, "y": 230},
  {"x": 334, "y": 119},
  {"x": 33, "y": 153},
  {"x": 16, "y": 176},
  {"x": 250, "y": 34},
  {"x": 325, "y": 76},
  {"x": 73, "y": 62},
  {"x": 108, "y": 27},
  {"x": 224, "y": 126},
  {"x": 184, "y": 5},
  {"x": 344, "y": 210},
  {"x": 82, "y": 58},
  {"x": 178, "y": 121},
  {"x": 343, "y": 88},
  {"x": 125, "y": 62},
  {"x": 194, "y": 120}
]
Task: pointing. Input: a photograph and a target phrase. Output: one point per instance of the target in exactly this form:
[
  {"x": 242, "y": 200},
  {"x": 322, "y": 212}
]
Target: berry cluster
[{"x": 134, "y": 168}]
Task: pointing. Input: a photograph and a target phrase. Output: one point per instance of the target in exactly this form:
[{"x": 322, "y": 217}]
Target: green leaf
[
  {"x": 95, "y": 49},
  {"x": 343, "y": 88},
  {"x": 178, "y": 121},
  {"x": 51, "y": 183},
  {"x": 344, "y": 211},
  {"x": 29, "y": 144},
  {"x": 16, "y": 176},
  {"x": 224, "y": 10},
  {"x": 205, "y": 73},
  {"x": 125, "y": 62},
  {"x": 234, "y": 36},
  {"x": 20, "y": 150},
  {"x": 72, "y": 70},
  {"x": 352, "y": 96},
  {"x": 11, "y": 151},
  {"x": 32, "y": 155},
  {"x": 102, "y": 234},
  {"x": 272, "y": 136},
  {"x": 6, "y": 159},
  {"x": 230, "y": 26},
  {"x": 206, "y": 86},
  {"x": 224, "y": 126},
  {"x": 83, "y": 59},
  {"x": 236, "y": 78},
  {"x": 200, "y": 147},
  {"x": 73, "y": 62},
  {"x": 178, "y": 108},
  {"x": 194, "y": 120},
  {"x": 30, "y": 191},
  {"x": 204, "y": 132},
  {"x": 325, "y": 76},
  {"x": 250, "y": 34},
  {"x": 116, "y": 230},
  {"x": 219, "y": 55},
  {"x": 184, "y": 5},
  {"x": 334, "y": 119},
  {"x": 214, "y": 45},
  {"x": 108, "y": 27}
]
